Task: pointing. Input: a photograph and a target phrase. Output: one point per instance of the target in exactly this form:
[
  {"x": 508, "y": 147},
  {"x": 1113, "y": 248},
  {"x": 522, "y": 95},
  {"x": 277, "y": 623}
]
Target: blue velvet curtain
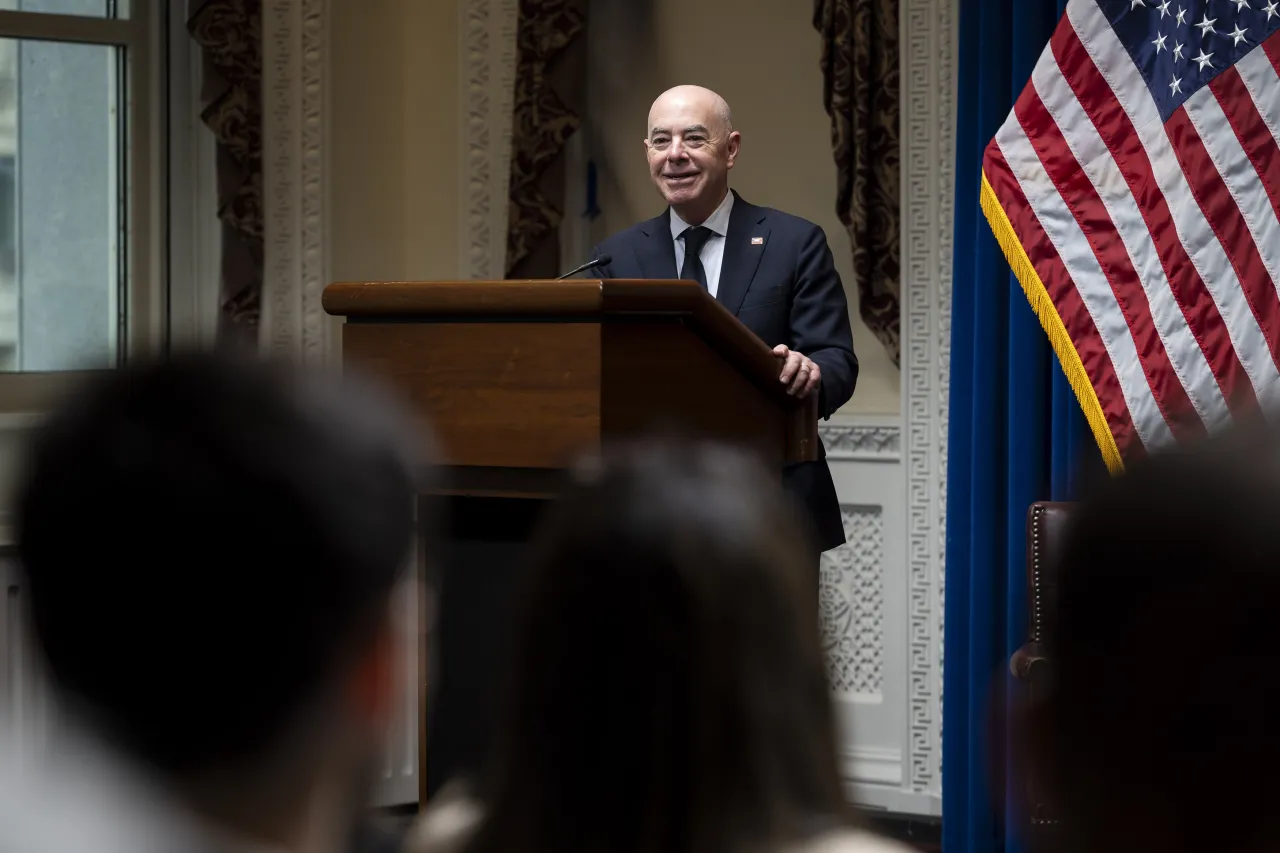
[{"x": 1017, "y": 435}]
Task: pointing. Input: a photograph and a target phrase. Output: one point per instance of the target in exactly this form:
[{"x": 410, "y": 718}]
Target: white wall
[{"x": 393, "y": 139}]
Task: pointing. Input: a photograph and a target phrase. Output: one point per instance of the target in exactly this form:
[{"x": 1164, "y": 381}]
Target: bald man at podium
[{"x": 771, "y": 270}]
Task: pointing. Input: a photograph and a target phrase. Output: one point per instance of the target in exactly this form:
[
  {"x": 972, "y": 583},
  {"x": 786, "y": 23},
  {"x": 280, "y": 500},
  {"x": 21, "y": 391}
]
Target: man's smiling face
[{"x": 691, "y": 148}]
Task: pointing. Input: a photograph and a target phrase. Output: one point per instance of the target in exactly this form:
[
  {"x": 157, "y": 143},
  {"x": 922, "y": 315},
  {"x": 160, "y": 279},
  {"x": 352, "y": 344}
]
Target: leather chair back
[{"x": 1046, "y": 527}]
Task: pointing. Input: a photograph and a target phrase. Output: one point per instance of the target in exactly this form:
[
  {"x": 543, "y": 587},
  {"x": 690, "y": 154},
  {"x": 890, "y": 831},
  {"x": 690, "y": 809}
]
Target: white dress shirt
[{"x": 712, "y": 254}]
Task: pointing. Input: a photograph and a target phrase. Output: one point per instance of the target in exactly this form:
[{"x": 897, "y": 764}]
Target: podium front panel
[{"x": 493, "y": 394}]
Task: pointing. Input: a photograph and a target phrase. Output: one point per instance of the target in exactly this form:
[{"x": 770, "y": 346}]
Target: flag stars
[
  {"x": 1184, "y": 49},
  {"x": 1272, "y": 10}
]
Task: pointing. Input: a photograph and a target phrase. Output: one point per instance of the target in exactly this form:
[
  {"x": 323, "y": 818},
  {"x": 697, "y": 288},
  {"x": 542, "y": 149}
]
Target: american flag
[{"x": 1135, "y": 189}]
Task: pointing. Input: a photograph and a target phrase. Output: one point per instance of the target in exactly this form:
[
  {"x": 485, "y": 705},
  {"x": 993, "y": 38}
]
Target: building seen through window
[{"x": 63, "y": 209}]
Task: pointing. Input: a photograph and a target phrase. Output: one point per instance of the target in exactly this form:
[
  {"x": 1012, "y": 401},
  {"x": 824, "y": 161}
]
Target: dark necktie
[{"x": 692, "y": 270}]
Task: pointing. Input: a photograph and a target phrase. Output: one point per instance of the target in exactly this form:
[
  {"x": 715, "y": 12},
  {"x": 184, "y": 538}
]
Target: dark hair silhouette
[
  {"x": 1160, "y": 715},
  {"x": 669, "y": 691},
  {"x": 206, "y": 540}
]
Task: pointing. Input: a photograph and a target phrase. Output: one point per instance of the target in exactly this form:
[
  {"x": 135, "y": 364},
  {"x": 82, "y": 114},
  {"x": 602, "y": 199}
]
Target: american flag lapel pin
[{"x": 757, "y": 241}]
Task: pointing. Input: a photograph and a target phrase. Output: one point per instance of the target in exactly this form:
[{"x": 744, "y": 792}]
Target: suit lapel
[
  {"x": 741, "y": 256},
  {"x": 657, "y": 252}
]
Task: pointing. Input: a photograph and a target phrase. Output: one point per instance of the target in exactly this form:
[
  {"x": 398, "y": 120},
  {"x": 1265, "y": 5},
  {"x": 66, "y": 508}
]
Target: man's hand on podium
[{"x": 799, "y": 373}]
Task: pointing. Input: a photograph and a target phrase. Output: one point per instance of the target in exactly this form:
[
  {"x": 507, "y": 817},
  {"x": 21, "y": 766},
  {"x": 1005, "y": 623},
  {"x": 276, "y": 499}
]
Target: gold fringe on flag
[{"x": 1052, "y": 324}]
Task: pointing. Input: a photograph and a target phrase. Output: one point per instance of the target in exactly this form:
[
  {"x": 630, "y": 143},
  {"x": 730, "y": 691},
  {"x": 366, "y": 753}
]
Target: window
[{"x": 82, "y": 174}]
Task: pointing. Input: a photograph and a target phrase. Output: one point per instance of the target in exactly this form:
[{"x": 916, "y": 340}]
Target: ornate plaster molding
[{"x": 294, "y": 160}]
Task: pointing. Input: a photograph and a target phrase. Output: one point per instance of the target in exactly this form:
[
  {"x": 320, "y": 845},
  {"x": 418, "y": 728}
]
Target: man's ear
[{"x": 733, "y": 145}]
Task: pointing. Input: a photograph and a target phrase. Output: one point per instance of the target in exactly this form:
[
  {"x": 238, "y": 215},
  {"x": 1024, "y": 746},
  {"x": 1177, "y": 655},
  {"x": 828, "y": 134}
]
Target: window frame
[
  {"x": 194, "y": 244},
  {"x": 145, "y": 161}
]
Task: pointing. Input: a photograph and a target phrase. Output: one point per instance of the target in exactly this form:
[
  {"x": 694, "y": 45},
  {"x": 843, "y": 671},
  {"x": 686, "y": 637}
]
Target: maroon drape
[
  {"x": 229, "y": 33},
  {"x": 860, "y": 92}
]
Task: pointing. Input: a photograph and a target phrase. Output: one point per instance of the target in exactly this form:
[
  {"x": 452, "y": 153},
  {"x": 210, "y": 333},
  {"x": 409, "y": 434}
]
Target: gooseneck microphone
[{"x": 601, "y": 261}]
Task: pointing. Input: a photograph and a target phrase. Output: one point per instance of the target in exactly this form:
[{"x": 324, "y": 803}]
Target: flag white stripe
[
  {"x": 1090, "y": 151},
  {"x": 1095, "y": 291},
  {"x": 1198, "y": 238},
  {"x": 1259, "y": 77}
]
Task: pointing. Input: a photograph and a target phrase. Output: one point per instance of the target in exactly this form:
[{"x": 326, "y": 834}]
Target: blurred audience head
[
  {"x": 1158, "y": 728},
  {"x": 212, "y": 546},
  {"x": 668, "y": 685}
]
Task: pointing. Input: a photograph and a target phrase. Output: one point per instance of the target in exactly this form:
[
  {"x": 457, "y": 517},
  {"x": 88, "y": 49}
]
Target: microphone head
[{"x": 589, "y": 265}]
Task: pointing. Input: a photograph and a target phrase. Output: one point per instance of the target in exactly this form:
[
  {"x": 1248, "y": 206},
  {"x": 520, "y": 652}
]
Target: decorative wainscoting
[
  {"x": 487, "y": 77},
  {"x": 929, "y": 50},
  {"x": 295, "y": 62},
  {"x": 864, "y": 600},
  {"x": 891, "y": 474}
]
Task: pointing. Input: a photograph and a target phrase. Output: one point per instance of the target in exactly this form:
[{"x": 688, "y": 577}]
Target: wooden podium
[{"x": 514, "y": 379}]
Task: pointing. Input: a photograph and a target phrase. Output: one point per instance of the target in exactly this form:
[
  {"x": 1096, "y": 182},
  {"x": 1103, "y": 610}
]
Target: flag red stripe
[
  {"x": 1252, "y": 131},
  {"x": 1117, "y": 131},
  {"x": 1272, "y": 48},
  {"x": 1228, "y": 224},
  {"x": 1091, "y": 214},
  {"x": 1066, "y": 299}
]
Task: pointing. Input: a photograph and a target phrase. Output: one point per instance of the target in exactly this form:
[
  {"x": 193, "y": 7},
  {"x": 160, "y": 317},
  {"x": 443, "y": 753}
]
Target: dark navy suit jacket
[{"x": 786, "y": 290}]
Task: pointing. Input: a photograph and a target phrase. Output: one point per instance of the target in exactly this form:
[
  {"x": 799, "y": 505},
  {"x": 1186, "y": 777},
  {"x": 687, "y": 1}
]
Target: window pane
[
  {"x": 83, "y": 8},
  {"x": 61, "y": 217}
]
